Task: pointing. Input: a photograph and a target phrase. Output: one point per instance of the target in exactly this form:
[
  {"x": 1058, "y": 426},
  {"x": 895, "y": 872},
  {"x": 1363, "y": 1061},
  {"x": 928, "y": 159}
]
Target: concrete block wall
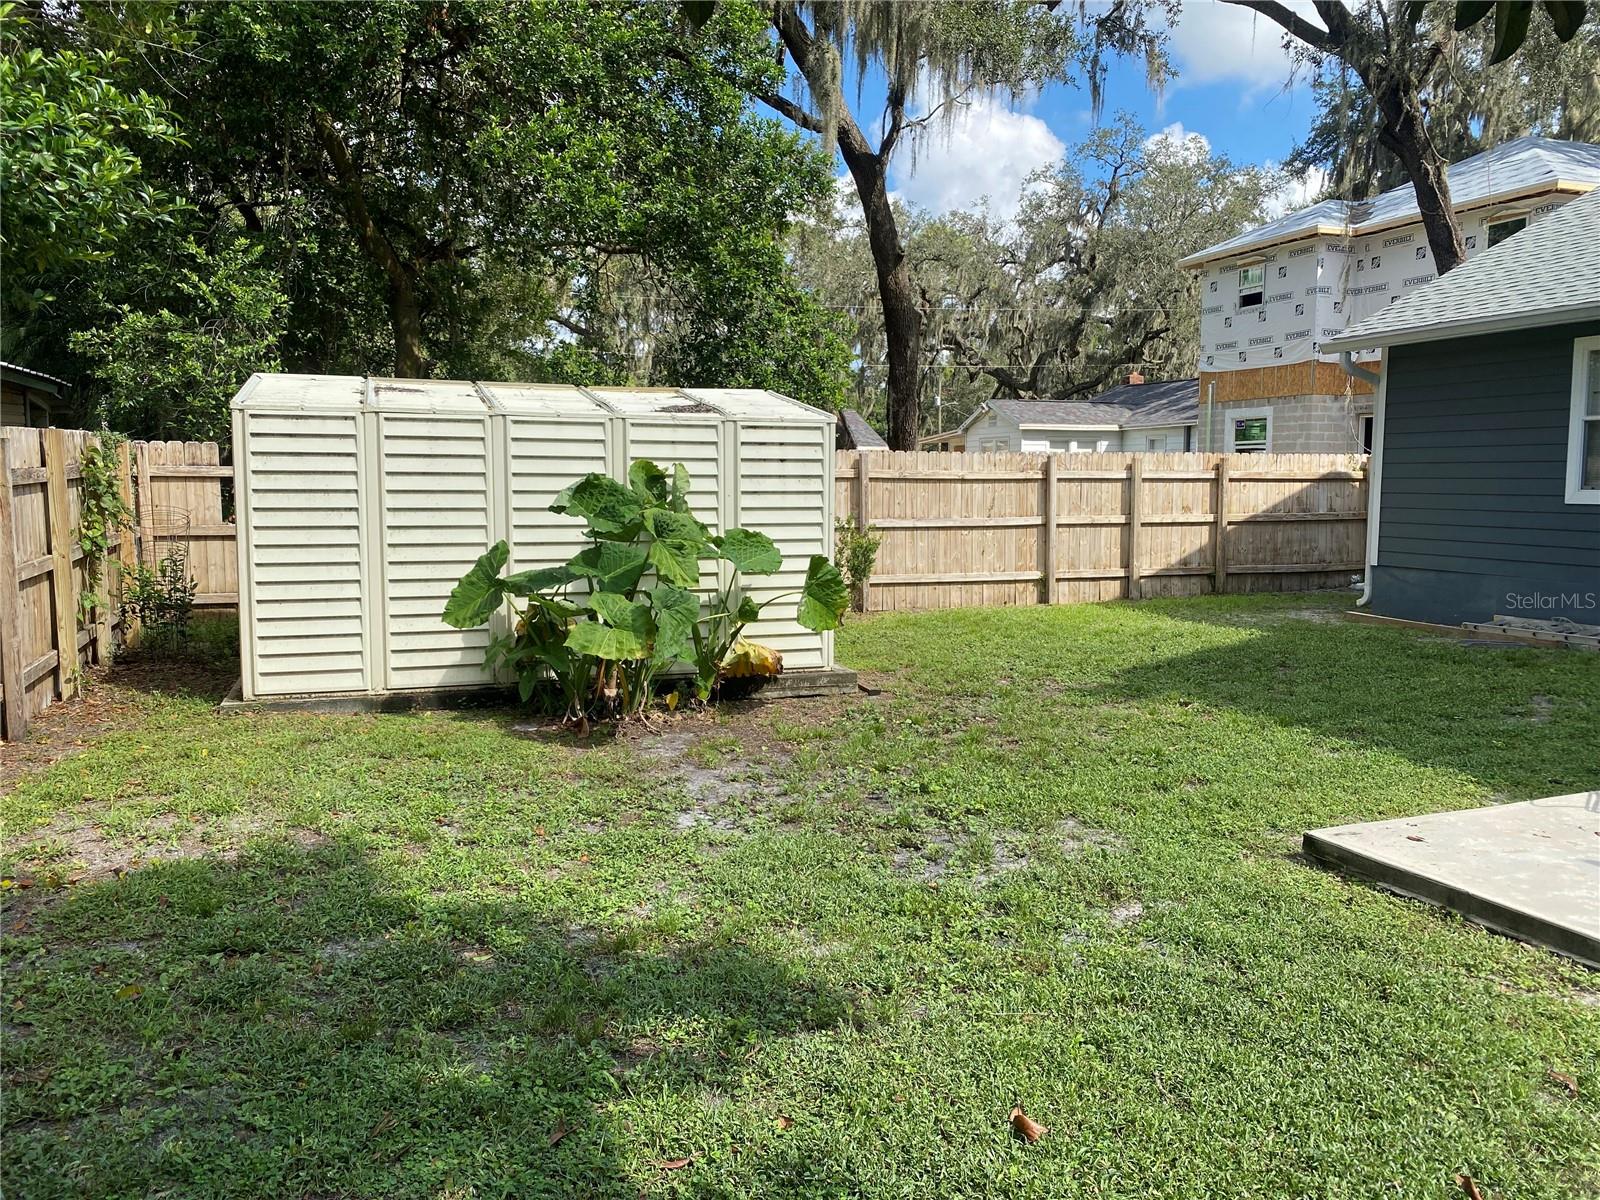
[{"x": 1300, "y": 424}]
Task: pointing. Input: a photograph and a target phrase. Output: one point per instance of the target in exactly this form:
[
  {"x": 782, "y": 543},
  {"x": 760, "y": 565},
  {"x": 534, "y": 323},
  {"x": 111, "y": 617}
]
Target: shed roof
[
  {"x": 861, "y": 435},
  {"x": 1522, "y": 167},
  {"x": 1548, "y": 274},
  {"x": 29, "y": 375},
  {"x": 346, "y": 392},
  {"x": 1127, "y": 406}
]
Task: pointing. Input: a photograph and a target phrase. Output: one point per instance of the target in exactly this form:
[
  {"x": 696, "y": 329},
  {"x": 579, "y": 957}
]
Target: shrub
[
  {"x": 597, "y": 634},
  {"x": 855, "y": 551}
]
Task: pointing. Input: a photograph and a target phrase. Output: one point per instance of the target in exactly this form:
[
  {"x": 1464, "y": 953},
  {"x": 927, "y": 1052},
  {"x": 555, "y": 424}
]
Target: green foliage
[
  {"x": 101, "y": 512},
  {"x": 71, "y": 174},
  {"x": 162, "y": 598},
  {"x": 170, "y": 372},
  {"x": 606, "y": 647},
  {"x": 855, "y": 551}
]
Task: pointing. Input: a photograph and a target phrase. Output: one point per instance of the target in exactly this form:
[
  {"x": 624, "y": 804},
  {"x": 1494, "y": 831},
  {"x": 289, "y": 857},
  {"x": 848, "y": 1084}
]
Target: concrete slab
[{"x": 1530, "y": 870}]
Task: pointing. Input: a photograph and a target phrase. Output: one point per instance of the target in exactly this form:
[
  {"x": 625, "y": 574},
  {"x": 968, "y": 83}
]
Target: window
[
  {"x": 1366, "y": 435},
  {"x": 1155, "y": 443},
  {"x": 1499, "y": 231},
  {"x": 1250, "y": 432},
  {"x": 1252, "y": 281},
  {"x": 1583, "y": 437}
]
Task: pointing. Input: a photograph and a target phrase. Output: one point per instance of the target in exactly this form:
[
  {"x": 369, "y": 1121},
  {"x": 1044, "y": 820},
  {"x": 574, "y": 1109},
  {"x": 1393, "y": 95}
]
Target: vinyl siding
[{"x": 1474, "y": 518}]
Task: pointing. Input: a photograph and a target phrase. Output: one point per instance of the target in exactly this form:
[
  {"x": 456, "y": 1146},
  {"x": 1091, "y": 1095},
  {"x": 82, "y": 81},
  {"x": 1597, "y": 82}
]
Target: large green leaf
[
  {"x": 603, "y": 502},
  {"x": 679, "y": 501},
  {"x": 616, "y": 609},
  {"x": 614, "y": 566},
  {"x": 676, "y": 561},
  {"x": 1511, "y": 19},
  {"x": 479, "y": 592},
  {"x": 649, "y": 482},
  {"x": 1470, "y": 12},
  {"x": 747, "y": 611},
  {"x": 750, "y": 552},
  {"x": 1566, "y": 17},
  {"x": 823, "y": 596},
  {"x": 675, "y": 612},
  {"x": 673, "y": 526},
  {"x": 606, "y": 641},
  {"x": 541, "y": 579}
]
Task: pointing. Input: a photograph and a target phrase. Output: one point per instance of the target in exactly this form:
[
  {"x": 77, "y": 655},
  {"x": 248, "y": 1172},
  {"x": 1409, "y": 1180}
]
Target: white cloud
[
  {"x": 1177, "y": 137},
  {"x": 1295, "y": 193},
  {"x": 986, "y": 150},
  {"x": 1216, "y": 43}
]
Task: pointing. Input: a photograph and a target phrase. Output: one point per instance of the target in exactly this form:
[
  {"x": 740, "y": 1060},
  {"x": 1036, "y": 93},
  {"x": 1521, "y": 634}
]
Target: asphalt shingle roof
[
  {"x": 861, "y": 435},
  {"x": 1547, "y": 274},
  {"x": 1513, "y": 167},
  {"x": 1129, "y": 406}
]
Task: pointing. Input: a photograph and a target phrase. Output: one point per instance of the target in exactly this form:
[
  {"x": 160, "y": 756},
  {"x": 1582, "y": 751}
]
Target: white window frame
[
  {"x": 1576, "y": 492},
  {"x": 1259, "y": 285},
  {"x": 1232, "y": 416}
]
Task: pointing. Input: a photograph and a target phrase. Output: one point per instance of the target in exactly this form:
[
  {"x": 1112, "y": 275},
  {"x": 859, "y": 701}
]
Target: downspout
[{"x": 1379, "y": 379}]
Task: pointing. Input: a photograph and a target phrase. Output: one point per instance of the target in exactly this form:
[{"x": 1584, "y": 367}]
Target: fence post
[
  {"x": 863, "y": 512},
  {"x": 127, "y": 541},
  {"x": 1219, "y": 538},
  {"x": 62, "y": 576},
  {"x": 1135, "y": 520},
  {"x": 1047, "y": 551},
  {"x": 16, "y": 692},
  {"x": 146, "y": 518}
]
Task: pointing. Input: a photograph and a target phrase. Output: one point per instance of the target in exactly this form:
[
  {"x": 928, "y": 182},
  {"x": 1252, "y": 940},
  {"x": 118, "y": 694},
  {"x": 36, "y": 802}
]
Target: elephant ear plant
[{"x": 597, "y": 634}]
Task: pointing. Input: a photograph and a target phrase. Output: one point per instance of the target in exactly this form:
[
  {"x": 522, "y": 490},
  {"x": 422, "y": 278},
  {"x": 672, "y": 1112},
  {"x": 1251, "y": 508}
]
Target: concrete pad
[{"x": 1530, "y": 870}]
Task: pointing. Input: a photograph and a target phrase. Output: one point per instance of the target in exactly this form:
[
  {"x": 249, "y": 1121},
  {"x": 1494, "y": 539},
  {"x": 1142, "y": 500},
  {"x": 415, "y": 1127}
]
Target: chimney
[{"x": 1135, "y": 377}]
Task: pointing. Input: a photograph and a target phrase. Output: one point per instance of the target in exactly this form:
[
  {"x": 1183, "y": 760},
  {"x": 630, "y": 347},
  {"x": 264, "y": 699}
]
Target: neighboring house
[
  {"x": 854, "y": 433},
  {"x": 1486, "y": 473},
  {"x": 28, "y": 397},
  {"x": 1272, "y": 299},
  {"x": 1133, "y": 416}
]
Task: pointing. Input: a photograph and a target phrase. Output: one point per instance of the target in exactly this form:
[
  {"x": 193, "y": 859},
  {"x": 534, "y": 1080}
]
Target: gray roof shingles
[
  {"x": 1547, "y": 274},
  {"x": 1514, "y": 166},
  {"x": 861, "y": 435},
  {"x": 1127, "y": 406}
]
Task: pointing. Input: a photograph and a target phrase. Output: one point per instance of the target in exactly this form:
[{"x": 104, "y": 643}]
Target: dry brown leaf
[
  {"x": 583, "y": 858},
  {"x": 784, "y": 1122},
  {"x": 1469, "y": 1187},
  {"x": 1025, "y": 1127},
  {"x": 385, "y": 1123},
  {"x": 674, "y": 1164},
  {"x": 1411, "y": 837},
  {"x": 1565, "y": 1080},
  {"x": 560, "y": 1131}
]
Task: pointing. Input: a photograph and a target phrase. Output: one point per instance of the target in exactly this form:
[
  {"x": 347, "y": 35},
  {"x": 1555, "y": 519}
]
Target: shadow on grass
[
  {"x": 313, "y": 1022},
  {"x": 1521, "y": 723}
]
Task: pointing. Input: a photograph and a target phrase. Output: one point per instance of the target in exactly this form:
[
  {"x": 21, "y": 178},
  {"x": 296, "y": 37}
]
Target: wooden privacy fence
[
  {"x": 983, "y": 529},
  {"x": 48, "y": 636}
]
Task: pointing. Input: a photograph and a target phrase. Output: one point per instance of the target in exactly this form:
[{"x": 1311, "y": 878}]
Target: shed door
[
  {"x": 302, "y": 522},
  {"x": 782, "y": 485},
  {"x": 435, "y": 481},
  {"x": 545, "y": 455}
]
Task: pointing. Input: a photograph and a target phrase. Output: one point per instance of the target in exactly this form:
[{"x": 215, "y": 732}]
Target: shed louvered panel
[
  {"x": 435, "y": 484},
  {"x": 783, "y": 470},
  {"x": 545, "y": 455},
  {"x": 303, "y": 553}
]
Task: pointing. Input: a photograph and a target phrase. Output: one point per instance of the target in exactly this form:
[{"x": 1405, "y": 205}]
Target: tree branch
[{"x": 1312, "y": 35}]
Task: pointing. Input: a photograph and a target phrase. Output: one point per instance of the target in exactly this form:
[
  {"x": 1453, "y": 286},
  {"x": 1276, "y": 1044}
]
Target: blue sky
[{"x": 1231, "y": 90}]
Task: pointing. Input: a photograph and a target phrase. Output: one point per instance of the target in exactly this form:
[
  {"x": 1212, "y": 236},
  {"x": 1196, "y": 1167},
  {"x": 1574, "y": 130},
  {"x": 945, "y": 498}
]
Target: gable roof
[
  {"x": 858, "y": 433},
  {"x": 1547, "y": 274},
  {"x": 1525, "y": 166},
  {"x": 27, "y": 375},
  {"x": 1127, "y": 406}
]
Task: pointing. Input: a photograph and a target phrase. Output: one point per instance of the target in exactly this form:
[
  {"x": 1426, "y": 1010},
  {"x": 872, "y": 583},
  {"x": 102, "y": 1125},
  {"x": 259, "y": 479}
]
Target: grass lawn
[{"x": 814, "y": 948}]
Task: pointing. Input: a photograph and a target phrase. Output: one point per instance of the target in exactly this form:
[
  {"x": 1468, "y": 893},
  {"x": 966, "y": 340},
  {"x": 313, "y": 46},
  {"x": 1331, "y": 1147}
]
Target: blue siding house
[{"x": 1486, "y": 456}]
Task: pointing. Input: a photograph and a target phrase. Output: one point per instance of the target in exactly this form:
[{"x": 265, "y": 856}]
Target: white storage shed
[{"x": 361, "y": 502}]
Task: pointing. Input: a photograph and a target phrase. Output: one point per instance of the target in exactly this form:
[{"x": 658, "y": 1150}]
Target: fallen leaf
[
  {"x": 130, "y": 992},
  {"x": 538, "y": 831},
  {"x": 1565, "y": 1080},
  {"x": 385, "y": 1123},
  {"x": 559, "y": 1132},
  {"x": 674, "y": 1164},
  {"x": 163, "y": 901},
  {"x": 1411, "y": 837},
  {"x": 1469, "y": 1187},
  {"x": 784, "y": 1122},
  {"x": 583, "y": 858},
  {"x": 1025, "y": 1127}
]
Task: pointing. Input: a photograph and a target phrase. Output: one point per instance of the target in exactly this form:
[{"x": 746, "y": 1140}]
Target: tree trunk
[
  {"x": 1405, "y": 133},
  {"x": 902, "y": 321},
  {"x": 405, "y": 315}
]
